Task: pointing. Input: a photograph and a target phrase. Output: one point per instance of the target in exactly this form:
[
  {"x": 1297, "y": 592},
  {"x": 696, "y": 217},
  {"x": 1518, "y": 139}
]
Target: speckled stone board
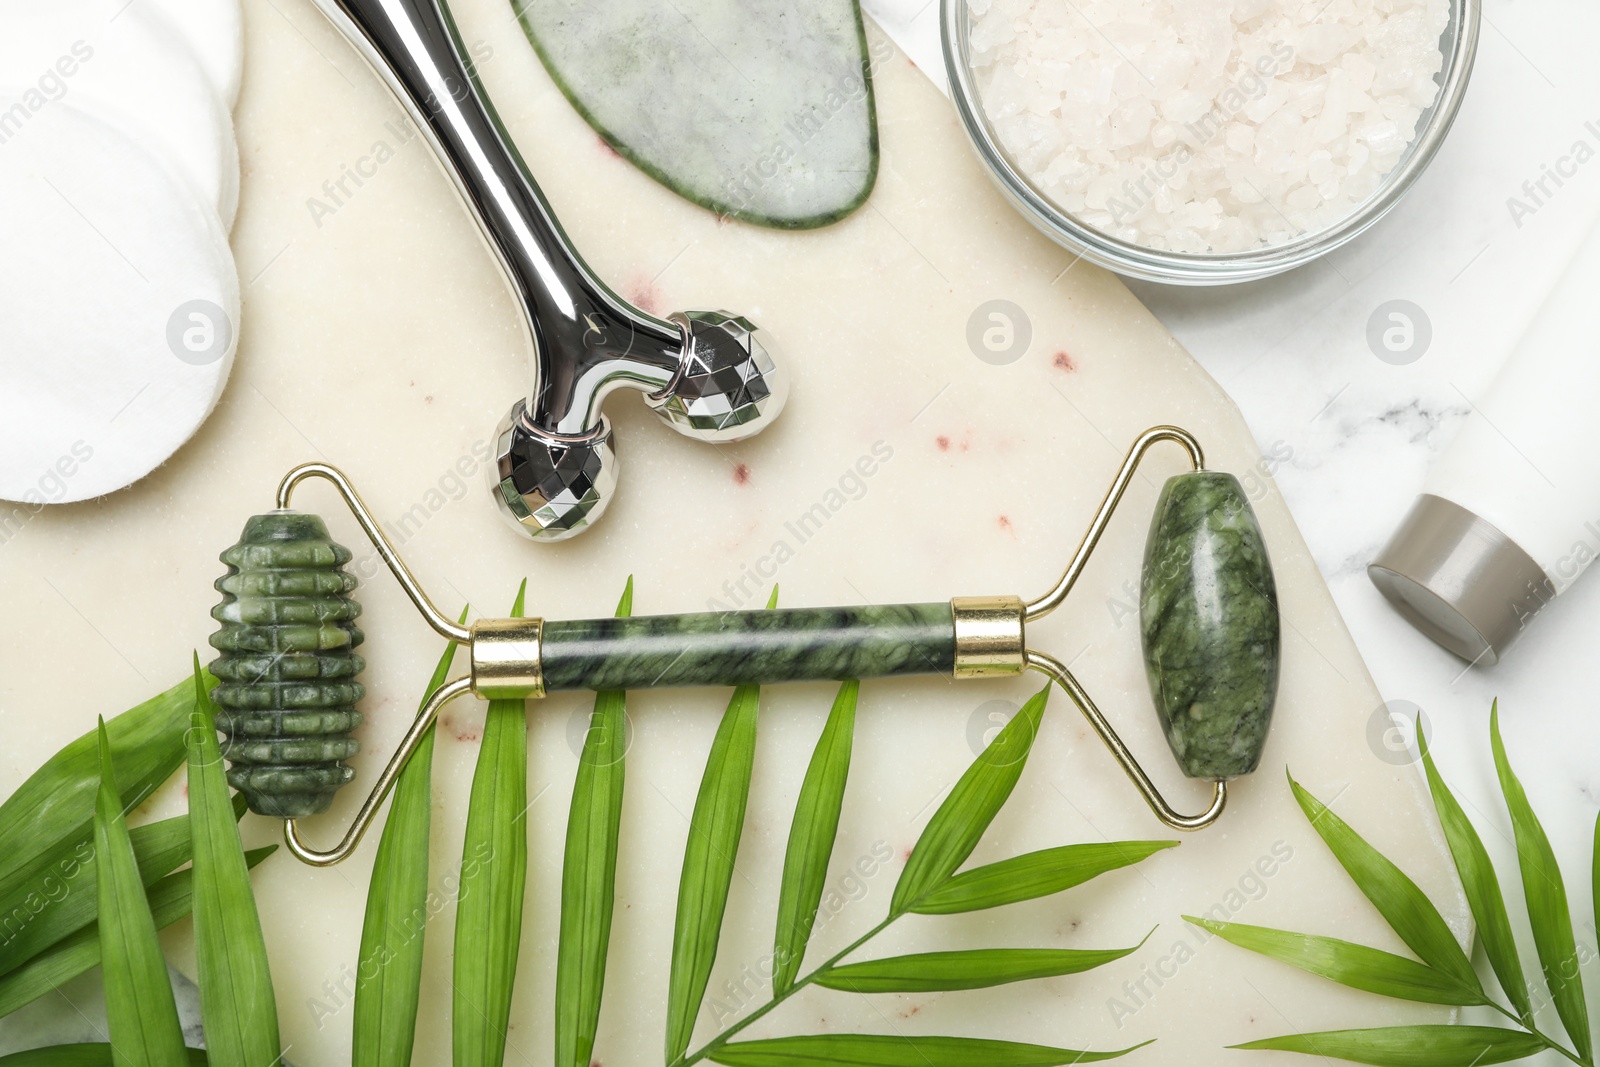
[{"x": 377, "y": 336}]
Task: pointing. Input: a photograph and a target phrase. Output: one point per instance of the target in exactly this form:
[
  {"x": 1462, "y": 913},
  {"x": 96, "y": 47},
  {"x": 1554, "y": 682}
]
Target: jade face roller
[
  {"x": 288, "y": 692},
  {"x": 709, "y": 375}
]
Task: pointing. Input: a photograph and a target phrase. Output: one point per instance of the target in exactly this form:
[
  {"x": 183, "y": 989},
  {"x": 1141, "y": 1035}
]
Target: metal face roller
[
  {"x": 1209, "y": 621},
  {"x": 710, "y": 375}
]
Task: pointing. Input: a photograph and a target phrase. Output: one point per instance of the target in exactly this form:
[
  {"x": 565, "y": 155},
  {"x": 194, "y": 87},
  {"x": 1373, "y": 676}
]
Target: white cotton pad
[
  {"x": 119, "y": 309},
  {"x": 215, "y": 32},
  {"x": 123, "y": 61}
]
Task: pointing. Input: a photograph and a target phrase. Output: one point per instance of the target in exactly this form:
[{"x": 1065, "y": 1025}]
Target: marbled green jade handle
[
  {"x": 287, "y": 666},
  {"x": 749, "y": 647}
]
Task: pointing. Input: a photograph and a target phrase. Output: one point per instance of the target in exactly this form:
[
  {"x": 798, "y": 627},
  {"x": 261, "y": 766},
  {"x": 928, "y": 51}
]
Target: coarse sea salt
[{"x": 1207, "y": 125}]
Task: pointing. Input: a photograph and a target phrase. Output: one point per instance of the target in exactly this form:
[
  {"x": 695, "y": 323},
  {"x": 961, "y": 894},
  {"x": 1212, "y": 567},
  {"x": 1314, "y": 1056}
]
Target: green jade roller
[{"x": 288, "y": 666}]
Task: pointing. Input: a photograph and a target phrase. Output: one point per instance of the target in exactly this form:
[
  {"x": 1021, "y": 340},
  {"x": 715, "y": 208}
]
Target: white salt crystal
[
  {"x": 1130, "y": 124},
  {"x": 1325, "y": 42},
  {"x": 1382, "y": 136},
  {"x": 1319, "y": 168},
  {"x": 1359, "y": 68},
  {"x": 1185, "y": 106},
  {"x": 1219, "y": 125},
  {"x": 1100, "y": 190}
]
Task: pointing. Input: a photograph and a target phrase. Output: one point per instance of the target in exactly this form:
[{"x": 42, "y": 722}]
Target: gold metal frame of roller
[{"x": 990, "y": 641}]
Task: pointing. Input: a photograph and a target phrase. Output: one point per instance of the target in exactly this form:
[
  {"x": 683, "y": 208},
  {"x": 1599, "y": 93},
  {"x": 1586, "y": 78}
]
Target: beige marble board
[{"x": 377, "y": 336}]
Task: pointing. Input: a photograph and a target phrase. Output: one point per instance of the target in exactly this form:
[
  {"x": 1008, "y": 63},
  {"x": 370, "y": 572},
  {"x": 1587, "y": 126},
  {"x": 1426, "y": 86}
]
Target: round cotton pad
[
  {"x": 125, "y": 62},
  {"x": 119, "y": 309},
  {"x": 215, "y": 32}
]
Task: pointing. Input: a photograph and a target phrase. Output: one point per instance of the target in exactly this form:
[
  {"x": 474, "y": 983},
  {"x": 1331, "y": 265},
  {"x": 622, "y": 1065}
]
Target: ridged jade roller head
[
  {"x": 731, "y": 384},
  {"x": 287, "y": 667},
  {"x": 1208, "y": 614},
  {"x": 551, "y": 487}
]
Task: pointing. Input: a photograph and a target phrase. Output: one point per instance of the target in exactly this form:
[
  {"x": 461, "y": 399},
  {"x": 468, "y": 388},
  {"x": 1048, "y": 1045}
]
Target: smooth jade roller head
[
  {"x": 287, "y": 666},
  {"x": 1208, "y": 614}
]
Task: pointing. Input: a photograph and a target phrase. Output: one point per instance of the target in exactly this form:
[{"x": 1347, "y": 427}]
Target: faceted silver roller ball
[
  {"x": 731, "y": 385},
  {"x": 551, "y": 488}
]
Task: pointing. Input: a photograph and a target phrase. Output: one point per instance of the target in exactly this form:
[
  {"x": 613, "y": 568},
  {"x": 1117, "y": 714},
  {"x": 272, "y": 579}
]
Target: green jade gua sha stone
[
  {"x": 287, "y": 667},
  {"x": 1208, "y": 614}
]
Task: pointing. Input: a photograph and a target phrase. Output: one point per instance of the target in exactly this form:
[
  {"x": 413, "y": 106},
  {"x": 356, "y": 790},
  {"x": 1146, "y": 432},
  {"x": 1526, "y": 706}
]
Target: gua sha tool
[
  {"x": 288, "y": 667},
  {"x": 710, "y": 375}
]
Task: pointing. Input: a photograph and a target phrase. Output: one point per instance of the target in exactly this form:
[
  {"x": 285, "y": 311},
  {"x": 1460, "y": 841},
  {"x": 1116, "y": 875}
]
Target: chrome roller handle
[{"x": 709, "y": 375}]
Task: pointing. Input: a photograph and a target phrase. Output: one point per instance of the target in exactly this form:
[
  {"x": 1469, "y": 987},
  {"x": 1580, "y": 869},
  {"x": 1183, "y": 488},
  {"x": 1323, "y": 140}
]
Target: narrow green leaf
[
  {"x": 85, "y": 1055},
  {"x": 1595, "y": 873},
  {"x": 141, "y": 1016},
  {"x": 714, "y": 831},
  {"x": 1411, "y": 1046},
  {"x": 874, "y": 1050},
  {"x": 1546, "y": 896},
  {"x": 589, "y": 873},
  {"x": 170, "y": 900},
  {"x": 389, "y": 974},
  {"x": 811, "y": 838},
  {"x": 1403, "y": 906},
  {"x": 1033, "y": 875},
  {"x": 966, "y": 813},
  {"x": 38, "y": 920},
  {"x": 494, "y": 876},
  {"x": 45, "y": 826},
  {"x": 236, "y": 1002},
  {"x": 1356, "y": 966},
  {"x": 935, "y": 972},
  {"x": 1481, "y": 885}
]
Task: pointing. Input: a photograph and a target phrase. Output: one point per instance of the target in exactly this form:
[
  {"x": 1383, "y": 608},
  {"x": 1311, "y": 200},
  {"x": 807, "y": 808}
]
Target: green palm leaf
[
  {"x": 935, "y": 972},
  {"x": 966, "y": 813},
  {"x": 872, "y": 1050},
  {"x": 46, "y": 824},
  {"x": 1411, "y": 1046},
  {"x": 1403, "y": 906},
  {"x": 708, "y": 864},
  {"x": 708, "y": 859},
  {"x": 1546, "y": 895},
  {"x": 1034, "y": 874},
  {"x": 1356, "y": 966},
  {"x": 589, "y": 873},
  {"x": 1481, "y": 885},
  {"x": 812, "y": 836},
  {"x": 141, "y": 1015},
  {"x": 170, "y": 900},
  {"x": 236, "y": 1001},
  {"x": 385, "y": 1027},
  {"x": 494, "y": 874},
  {"x": 160, "y": 847}
]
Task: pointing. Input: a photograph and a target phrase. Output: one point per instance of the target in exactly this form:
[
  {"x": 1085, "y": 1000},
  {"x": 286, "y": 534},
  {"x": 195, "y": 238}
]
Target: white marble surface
[
  {"x": 1349, "y": 437},
  {"x": 1346, "y": 436},
  {"x": 386, "y": 313}
]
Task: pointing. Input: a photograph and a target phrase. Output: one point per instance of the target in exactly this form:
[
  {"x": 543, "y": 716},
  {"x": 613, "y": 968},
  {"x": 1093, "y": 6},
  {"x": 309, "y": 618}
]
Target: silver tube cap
[{"x": 1459, "y": 580}]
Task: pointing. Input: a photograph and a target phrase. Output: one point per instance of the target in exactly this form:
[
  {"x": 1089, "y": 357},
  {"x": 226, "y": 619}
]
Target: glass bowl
[{"x": 1459, "y": 44}]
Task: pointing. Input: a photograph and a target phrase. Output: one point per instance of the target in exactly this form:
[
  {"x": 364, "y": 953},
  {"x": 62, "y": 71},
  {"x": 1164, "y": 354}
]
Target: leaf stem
[
  {"x": 1550, "y": 1042},
  {"x": 727, "y": 1035}
]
